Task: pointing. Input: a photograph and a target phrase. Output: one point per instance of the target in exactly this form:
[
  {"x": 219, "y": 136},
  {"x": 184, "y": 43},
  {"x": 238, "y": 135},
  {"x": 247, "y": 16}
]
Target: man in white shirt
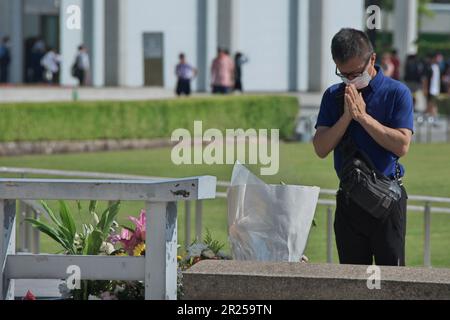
[
  {"x": 433, "y": 87},
  {"x": 50, "y": 62}
]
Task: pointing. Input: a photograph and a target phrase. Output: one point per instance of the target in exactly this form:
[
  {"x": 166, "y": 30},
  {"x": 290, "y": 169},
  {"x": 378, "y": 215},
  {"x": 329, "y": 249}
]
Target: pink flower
[
  {"x": 140, "y": 225},
  {"x": 130, "y": 239},
  {"x": 107, "y": 296}
]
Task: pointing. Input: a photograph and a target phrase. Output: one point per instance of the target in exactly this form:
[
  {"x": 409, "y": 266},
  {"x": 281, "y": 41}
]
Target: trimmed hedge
[{"x": 143, "y": 119}]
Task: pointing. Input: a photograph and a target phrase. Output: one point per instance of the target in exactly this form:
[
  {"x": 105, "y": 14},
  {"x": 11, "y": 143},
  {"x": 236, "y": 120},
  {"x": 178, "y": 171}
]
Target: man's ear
[{"x": 374, "y": 58}]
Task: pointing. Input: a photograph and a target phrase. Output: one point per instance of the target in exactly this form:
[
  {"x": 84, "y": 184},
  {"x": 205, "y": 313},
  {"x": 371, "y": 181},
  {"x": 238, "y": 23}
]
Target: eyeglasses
[{"x": 353, "y": 75}]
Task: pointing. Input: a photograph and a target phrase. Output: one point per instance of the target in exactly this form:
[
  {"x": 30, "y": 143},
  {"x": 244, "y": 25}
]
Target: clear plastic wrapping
[{"x": 268, "y": 222}]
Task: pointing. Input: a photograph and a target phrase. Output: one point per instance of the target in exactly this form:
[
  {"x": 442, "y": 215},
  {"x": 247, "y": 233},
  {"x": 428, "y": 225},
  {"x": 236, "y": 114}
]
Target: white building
[{"x": 136, "y": 42}]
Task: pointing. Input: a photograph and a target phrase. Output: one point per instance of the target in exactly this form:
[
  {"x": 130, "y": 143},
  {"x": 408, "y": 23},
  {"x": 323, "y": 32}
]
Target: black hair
[
  {"x": 349, "y": 43},
  {"x": 181, "y": 56}
]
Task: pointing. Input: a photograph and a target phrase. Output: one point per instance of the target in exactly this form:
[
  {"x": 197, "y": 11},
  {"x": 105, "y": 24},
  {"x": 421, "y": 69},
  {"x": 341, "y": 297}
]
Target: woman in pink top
[{"x": 222, "y": 73}]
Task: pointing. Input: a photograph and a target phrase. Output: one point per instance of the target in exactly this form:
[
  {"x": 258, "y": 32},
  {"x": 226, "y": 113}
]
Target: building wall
[
  {"x": 69, "y": 41},
  {"x": 327, "y": 17},
  {"x": 263, "y": 38},
  {"x": 439, "y": 22},
  {"x": 4, "y": 18},
  {"x": 177, "y": 20},
  {"x": 265, "y": 32}
]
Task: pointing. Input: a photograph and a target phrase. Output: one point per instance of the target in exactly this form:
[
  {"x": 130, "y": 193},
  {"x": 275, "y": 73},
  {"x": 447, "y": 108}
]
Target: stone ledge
[
  {"x": 239, "y": 280},
  {"x": 69, "y": 146}
]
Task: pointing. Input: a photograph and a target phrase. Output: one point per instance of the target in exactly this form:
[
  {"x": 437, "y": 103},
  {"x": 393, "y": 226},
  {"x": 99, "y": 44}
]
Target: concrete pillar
[
  {"x": 202, "y": 24},
  {"x": 327, "y": 17},
  {"x": 111, "y": 42},
  {"x": 405, "y": 27},
  {"x": 116, "y": 48},
  {"x": 16, "y": 37},
  {"x": 123, "y": 46},
  {"x": 303, "y": 45},
  {"x": 293, "y": 45},
  {"x": 206, "y": 41},
  {"x": 228, "y": 24},
  {"x": 94, "y": 35},
  {"x": 70, "y": 38},
  {"x": 298, "y": 66},
  {"x": 5, "y": 23}
]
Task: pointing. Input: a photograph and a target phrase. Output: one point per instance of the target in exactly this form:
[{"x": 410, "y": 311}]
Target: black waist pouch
[{"x": 363, "y": 184}]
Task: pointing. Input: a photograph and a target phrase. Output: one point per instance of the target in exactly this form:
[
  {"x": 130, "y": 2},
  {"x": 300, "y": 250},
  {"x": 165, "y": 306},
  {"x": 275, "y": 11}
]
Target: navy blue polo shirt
[{"x": 389, "y": 102}]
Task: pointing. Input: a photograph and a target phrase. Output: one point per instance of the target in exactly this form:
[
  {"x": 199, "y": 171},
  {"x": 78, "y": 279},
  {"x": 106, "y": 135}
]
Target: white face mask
[{"x": 360, "y": 82}]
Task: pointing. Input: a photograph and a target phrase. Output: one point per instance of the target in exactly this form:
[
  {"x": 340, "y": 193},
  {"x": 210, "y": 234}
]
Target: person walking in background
[
  {"x": 414, "y": 72},
  {"x": 81, "y": 66},
  {"x": 387, "y": 65},
  {"x": 5, "y": 60},
  {"x": 185, "y": 73},
  {"x": 395, "y": 60},
  {"x": 222, "y": 73},
  {"x": 239, "y": 60},
  {"x": 441, "y": 62},
  {"x": 50, "y": 62},
  {"x": 446, "y": 80},
  {"x": 432, "y": 86},
  {"x": 37, "y": 53}
]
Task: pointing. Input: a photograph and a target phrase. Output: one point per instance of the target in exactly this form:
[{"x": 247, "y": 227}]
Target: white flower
[
  {"x": 107, "y": 247},
  {"x": 118, "y": 289},
  {"x": 96, "y": 220}
]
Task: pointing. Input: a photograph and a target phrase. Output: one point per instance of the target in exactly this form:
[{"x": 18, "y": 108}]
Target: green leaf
[
  {"x": 51, "y": 214},
  {"x": 79, "y": 205},
  {"x": 92, "y": 206},
  {"x": 212, "y": 244},
  {"x": 108, "y": 217},
  {"x": 67, "y": 220},
  {"x": 94, "y": 242},
  {"x": 52, "y": 233},
  {"x": 61, "y": 230}
]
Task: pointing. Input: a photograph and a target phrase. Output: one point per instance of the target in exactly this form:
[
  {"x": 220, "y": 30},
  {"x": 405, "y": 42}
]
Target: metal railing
[
  {"x": 424, "y": 204},
  {"x": 158, "y": 269},
  {"x": 427, "y": 129},
  {"x": 29, "y": 237}
]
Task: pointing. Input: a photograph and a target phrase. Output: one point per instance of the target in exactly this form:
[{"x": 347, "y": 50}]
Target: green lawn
[{"x": 427, "y": 174}]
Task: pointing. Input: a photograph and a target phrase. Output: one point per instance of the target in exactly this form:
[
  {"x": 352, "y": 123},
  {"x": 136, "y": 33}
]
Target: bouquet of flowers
[{"x": 102, "y": 237}]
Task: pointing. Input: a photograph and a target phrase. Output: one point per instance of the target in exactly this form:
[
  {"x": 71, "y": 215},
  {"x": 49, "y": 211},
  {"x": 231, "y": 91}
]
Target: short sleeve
[
  {"x": 325, "y": 117},
  {"x": 403, "y": 113}
]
